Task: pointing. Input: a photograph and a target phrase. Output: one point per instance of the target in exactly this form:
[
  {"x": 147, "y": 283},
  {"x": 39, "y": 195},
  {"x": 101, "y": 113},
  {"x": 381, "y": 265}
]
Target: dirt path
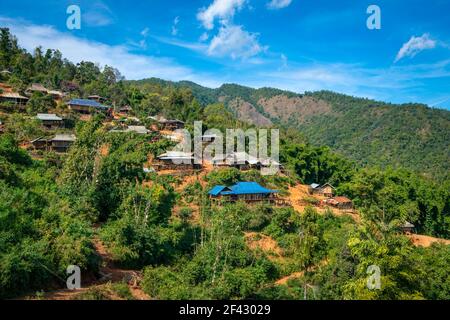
[
  {"x": 425, "y": 241},
  {"x": 299, "y": 274},
  {"x": 109, "y": 272}
]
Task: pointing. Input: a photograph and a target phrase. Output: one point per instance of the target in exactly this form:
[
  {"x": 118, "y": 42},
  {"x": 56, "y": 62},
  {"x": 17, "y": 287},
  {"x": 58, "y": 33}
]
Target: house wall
[{"x": 80, "y": 109}]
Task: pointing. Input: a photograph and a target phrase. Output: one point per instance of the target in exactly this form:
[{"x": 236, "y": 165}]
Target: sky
[{"x": 297, "y": 45}]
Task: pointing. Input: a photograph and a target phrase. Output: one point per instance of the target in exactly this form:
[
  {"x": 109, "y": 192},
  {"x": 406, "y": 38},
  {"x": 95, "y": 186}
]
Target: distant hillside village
[{"x": 59, "y": 135}]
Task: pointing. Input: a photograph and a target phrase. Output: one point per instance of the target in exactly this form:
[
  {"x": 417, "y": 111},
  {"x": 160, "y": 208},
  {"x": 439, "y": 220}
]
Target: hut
[
  {"x": 97, "y": 98},
  {"x": 62, "y": 142},
  {"x": 239, "y": 160},
  {"x": 56, "y": 95},
  {"x": 41, "y": 143},
  {"x": 8, "y": 95},
  {"x": 342, "y": 203},
  {"x": 250, "y": 192},
  {"x": 171, "y": 125},
  {"x": 407, "y": 228},
  {"x": 125, "y": 110},
  {"x": 86, "y": 106},
  {"x": 326, "y": 190},
  {"x": 177, "y": 160},
  {"x": 36, "y": 87},
  {"x": 50, "y": 120}
]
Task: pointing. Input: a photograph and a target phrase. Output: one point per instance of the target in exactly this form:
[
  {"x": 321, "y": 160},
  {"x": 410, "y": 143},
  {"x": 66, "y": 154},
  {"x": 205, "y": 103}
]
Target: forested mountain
[{"x": 411, "y": 136}]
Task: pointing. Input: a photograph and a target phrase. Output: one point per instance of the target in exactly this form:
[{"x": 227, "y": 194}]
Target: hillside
[{"x": 411, "y": 136}]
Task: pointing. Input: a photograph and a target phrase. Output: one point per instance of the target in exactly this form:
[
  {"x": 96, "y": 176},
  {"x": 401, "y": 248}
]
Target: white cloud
[
  {"x": 234, "y": 41},
  {"x": 174, "y": 26},
  {"x": 414, "y": 46},
  {"x": 278, "y": 4},
  {"x": 145, "y": 32},
  {"x": 194, "y": 46},
  {"x": 132, "y": 66},
  {"x": 99, "y": 15},
  {"x": 204, "y": 37},
  {"x": 222, "y": 9},
  {"x": 284, "y": 60}
]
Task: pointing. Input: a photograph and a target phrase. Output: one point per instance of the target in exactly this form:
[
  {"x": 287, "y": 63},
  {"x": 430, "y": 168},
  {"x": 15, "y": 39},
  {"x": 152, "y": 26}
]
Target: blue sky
[{"x": 299, "y": 45}]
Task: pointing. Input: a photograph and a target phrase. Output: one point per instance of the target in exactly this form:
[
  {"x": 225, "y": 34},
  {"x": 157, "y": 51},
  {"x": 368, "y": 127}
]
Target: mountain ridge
[{"x": 410, "y": 135}]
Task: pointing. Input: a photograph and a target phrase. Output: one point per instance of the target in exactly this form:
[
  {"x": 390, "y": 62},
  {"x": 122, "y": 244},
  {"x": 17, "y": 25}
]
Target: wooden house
[
  {"x": 125, "y": 110},
  {"x": 244, "y": 161},
  {"x": 326, "y": 190},
  {"x": 41, "y": 143},
  {"x": 62, "y": 142},
  {"x": 36, "y": 87},
  {"x": 171, "y": 125},
  {"x": 250, "y": 192},
  {"x": 9, "y": 96},
  {"x": 50, "y": 121},
  {"x": 56, "y": 95},
  {"x": 239, "y": 160},
  {"x": 176, "y": 160},
  {"x": 342, "y": 203},
  {"x": 97, "y": 98},
  {"x": 86, "y": 106}
]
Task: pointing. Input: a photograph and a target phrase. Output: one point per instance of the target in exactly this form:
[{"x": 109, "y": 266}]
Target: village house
[
  {"x": 9, "y": 96},
  {"x": 36, "y": 87},
  {"x": 243, "y": 161},
  {"x": 342, "y": 203},
  {"x": 239, "y": 160},
  {"x": 41, "y": 143},
  {"x": 50, "y": 121},
  {"x": 56, "y": 95},
  {"x": 86, "y": 106},
  {"x": 171, "y": 125},
  {"x": 97, "y": 98},
  {"x": 125, "y": 110},
  {"x": 176, "y": 160},
  {"x": 326, "y": 190},
  {"x": 62, "y": 142},
  {"x": 249, "y": 192}
]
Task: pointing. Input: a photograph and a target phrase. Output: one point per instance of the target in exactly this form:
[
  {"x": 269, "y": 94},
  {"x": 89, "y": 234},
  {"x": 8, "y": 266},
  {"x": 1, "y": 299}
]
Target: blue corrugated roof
[
  {"x": 241, "y": 188},
  {"x": 216, "y": 190},
  {"x": 87, "y": 103}
]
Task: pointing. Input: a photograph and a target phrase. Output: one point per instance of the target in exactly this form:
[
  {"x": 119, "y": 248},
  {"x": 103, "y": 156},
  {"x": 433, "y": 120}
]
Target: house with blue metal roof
[
  {"x": 245, "y": 191},
  {"x": 87, "y": 106}
]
